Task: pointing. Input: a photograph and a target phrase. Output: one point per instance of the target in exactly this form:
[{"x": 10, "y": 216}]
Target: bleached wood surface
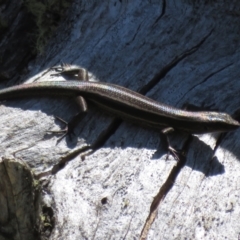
[{"x": 109, "y": 195}]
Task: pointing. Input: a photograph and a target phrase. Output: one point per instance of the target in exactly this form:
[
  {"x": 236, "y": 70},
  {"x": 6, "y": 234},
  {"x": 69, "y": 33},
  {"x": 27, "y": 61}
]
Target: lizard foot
[
  {"x": 68, "y": 130},
  {"x": 174, "y": 152}
]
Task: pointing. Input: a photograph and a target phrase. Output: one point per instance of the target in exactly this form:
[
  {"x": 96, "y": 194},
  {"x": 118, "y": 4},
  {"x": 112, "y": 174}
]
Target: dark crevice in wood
[
  {"x": 61, "y": 164},
  {"x": 129, "y": 225},
  {"x": 86, "y": 150},
  {"x": 104, "y": 136},
  {"x": 49, "y": 221},
  {"x": 163, "y": 11},
  {"x": 163, "y": 72},
  {"x": 134, "y": 37},
  {"x": 206, "y": 78},
  {"x": 165, "y": 188}
]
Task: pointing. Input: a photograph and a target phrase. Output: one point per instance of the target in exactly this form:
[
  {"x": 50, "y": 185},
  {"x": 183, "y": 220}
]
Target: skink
[{"x": 128, "y": 105}]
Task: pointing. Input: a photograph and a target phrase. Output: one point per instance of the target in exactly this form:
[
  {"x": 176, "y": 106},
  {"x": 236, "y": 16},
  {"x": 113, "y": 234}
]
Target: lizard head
[{"x": 219, "y": 122}]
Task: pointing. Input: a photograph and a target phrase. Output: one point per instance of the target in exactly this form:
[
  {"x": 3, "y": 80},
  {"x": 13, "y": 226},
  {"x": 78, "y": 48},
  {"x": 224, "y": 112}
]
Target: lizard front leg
[{"x": 82, "y": 75}]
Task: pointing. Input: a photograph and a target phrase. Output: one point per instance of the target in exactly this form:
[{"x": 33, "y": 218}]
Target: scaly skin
[{"x": 128, "y": 105}]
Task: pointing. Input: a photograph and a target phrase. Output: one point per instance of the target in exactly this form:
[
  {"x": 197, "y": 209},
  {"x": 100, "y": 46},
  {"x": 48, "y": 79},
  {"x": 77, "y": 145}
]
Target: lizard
[{"x": 126, "y": 104}]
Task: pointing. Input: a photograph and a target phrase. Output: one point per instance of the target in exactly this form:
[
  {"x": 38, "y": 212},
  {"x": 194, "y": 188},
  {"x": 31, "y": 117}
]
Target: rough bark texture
[
  {"x": 17, "y": 198},
  {"x": 173, "y": 51}
]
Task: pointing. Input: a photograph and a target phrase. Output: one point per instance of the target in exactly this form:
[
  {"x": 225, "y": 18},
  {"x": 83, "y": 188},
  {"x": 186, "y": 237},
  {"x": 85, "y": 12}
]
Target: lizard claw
[
  {"x": 68, "y": 130},
  {"x": 174, "y": 152}
]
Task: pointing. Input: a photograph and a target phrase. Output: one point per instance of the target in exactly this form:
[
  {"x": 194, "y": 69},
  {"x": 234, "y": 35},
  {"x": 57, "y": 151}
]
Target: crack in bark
[
  {"x": 206, "y": 78},
  {"x": 61, "y": 164},
  {"x": 100, "y": 141},
  {"x": 133, "y": 38},
  {"x": 165, "y": 188},
  {"x": 129, "y": 225},
  {"x": 163, "y": 11},
  {"x": 104, "y": 136},
  {"x": 163, "y": 72}
]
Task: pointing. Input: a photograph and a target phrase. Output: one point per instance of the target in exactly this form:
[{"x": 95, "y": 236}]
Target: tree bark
[{"x": 175, "y": 52}]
